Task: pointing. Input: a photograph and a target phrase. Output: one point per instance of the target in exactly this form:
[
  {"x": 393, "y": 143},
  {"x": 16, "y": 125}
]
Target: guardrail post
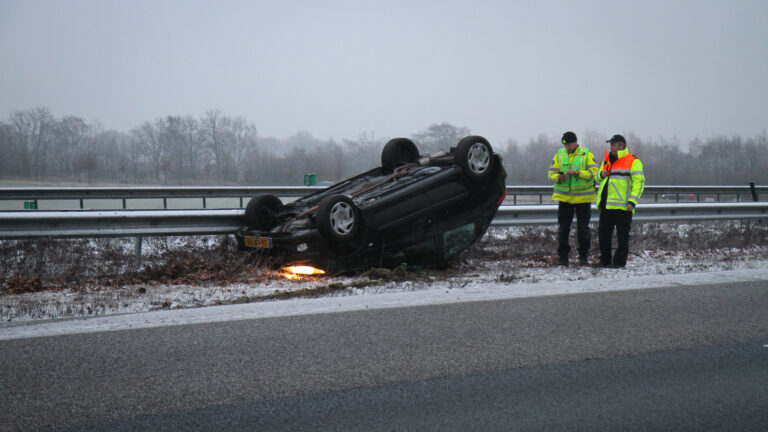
[
  {"x": 754, "y": 192},
  {"x": 137, "y": 251}
]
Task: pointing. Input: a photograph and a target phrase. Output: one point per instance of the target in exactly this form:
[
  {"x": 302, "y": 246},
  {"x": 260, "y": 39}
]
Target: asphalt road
[{"x": 678, "y": 358}]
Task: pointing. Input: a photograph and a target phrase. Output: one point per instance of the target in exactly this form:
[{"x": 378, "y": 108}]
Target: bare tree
[
  {"x": 297, "y": 163},
  {"x": 193, "y": 148},
  {"x": 70, "y": 139},
  {"x": 86, "y": 161},
  {"x": 510, "y": 156},
  {"x": 215, "y": 128},
  {"x": 535, "y": 159},
  {"x": 147, "y": 137},
  {"x": 34, "y": 130},
  {"x": 336, "y": 168},
  {"x": 327, "y": 162},
  {"x": 113, "y": 161},
  {"x": 243, "y": 136},
  {"x": 173, "y": 141},
  {"x": 756, "y": 167},
  {"x": 217, "y": 148},
  {"x": 439, "y": 137},
  {"x": 361, "y": 154},
  {"x": 133, "y": 149},
  {"x": 7, "y": 154}
]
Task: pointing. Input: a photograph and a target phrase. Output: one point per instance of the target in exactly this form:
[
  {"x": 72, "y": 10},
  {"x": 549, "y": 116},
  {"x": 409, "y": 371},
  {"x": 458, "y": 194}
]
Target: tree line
[{"x": 217, "y": 149}]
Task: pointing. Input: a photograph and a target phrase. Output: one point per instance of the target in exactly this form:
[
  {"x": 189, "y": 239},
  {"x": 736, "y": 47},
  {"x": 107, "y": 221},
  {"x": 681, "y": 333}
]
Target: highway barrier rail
[
  {"x": 215, "y": 197},
  {"x": 128, "y": 223}
]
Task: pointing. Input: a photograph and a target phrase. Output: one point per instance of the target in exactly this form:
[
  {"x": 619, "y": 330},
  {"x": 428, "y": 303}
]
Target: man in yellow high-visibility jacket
[
  {"x": 573, "y": 172},
  {"x": 621, "y": 185}
]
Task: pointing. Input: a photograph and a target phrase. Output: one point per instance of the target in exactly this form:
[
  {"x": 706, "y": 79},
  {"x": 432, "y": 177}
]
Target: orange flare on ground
[{"x": 293, "y": 271}]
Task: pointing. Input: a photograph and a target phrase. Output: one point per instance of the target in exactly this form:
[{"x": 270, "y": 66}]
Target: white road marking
[{"x": 473, "y": 292}]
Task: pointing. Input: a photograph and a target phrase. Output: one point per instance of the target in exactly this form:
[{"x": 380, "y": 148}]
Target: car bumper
[{"x": 302, "y": 248}]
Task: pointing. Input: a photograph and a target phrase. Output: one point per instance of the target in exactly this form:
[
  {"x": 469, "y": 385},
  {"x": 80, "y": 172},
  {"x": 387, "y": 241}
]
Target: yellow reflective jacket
[
  {"x": 625, "y": 181},
  {"x": 574, "y": 189}
]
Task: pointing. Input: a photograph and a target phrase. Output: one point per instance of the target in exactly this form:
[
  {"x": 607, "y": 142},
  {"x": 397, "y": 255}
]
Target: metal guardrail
[
  {"x": 663, "y": 192},
  {"x": 547, "y": 214},
  {"x": 125, "y": 193},
  {"x": 118, "y": 223},
  {"x": 129, "y": 223},
  {"x": 130, "y": 192}
]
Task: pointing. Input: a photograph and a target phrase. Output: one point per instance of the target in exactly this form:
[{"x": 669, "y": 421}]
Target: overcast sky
[{"x": 504, "y": 69}]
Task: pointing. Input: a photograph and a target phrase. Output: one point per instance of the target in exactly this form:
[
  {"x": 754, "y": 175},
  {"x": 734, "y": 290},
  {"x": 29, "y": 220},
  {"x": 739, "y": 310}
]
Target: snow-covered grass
[{"x": 81, "y": 278}]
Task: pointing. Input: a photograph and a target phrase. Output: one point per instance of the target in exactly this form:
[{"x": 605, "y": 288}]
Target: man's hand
[
  {"x": 603, "y": 174},
  {"x": 562, "y": 177},
  {"x": 572, "y": 172},
  {"x": 630, "y": 206}
]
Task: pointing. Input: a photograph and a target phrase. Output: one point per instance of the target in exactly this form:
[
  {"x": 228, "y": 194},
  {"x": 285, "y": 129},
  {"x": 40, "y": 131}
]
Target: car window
[
  {"x": 457, "y": 239},
  {"x": 436, "y": 251}
]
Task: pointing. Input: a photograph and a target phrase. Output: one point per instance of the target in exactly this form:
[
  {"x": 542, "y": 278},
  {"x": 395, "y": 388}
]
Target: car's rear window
[{"x": 457, "y": 239}]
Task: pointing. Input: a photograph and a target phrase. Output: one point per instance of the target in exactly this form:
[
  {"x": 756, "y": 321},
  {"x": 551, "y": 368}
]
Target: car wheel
[
  {"x": 261, "y": 211},
  {"x": 398, "y": 151},
  {"x": 339, "y": 220},
  {"x": 474, "y": 155}
]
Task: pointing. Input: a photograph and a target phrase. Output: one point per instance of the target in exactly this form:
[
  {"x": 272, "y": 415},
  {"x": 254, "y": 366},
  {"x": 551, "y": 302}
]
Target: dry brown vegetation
[
  {"x": 51, "y": 264},
  {"x": 540, "y": 243}
]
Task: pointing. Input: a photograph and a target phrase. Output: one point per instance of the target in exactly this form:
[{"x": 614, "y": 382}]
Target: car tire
[
  {"x": 397, "y": 152},
  {"x": 261, "y": 211},
  {"x": 474, "y": 155},
  {"x": 339, "y": 221}
]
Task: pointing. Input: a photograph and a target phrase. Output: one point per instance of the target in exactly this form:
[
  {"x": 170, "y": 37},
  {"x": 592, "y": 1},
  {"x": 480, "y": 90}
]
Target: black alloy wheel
[
  {"x": 398, "y": 152},
  {"x": 261, "y": 211},
  {"x": 474, "y": 155}
]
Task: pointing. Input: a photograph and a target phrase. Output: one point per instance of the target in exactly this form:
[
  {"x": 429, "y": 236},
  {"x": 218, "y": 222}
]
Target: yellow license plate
[{"x": 258, "y": 242}]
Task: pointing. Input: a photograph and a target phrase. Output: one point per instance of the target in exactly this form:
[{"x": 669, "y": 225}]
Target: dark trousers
[
  {"x": 622, "y": 221},
  {"x": 565, "y": 213}
]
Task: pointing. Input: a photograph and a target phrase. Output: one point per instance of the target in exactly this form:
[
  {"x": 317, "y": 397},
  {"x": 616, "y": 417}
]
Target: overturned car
[{"x": 421, "y": 210}]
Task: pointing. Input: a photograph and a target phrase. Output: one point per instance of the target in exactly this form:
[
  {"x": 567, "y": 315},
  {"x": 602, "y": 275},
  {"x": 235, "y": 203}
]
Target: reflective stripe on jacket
[
  {"x": 625, "y": 181},
  {"x": 574, "y": 189}
]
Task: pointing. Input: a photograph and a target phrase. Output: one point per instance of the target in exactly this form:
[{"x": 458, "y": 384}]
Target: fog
[{"x": 336, "y": 69}]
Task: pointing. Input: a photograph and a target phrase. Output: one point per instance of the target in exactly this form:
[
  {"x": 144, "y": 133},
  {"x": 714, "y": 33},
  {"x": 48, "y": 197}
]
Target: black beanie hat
[{"x": 569, "y": 137}]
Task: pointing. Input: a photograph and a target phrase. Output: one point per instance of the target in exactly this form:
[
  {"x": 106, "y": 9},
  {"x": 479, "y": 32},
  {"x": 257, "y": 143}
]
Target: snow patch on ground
[
  {"x": 439, "y": 292},
  {"x": 143, "y": 298}
]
